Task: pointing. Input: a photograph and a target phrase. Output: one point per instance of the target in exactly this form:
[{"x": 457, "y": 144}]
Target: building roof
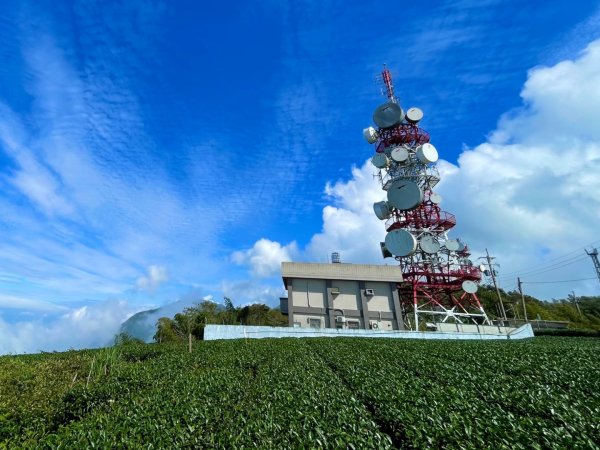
[{"x": 340, "y": 271}]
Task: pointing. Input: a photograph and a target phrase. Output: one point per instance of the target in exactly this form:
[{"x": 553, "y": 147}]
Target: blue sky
[{"x": 151, "y": 151}]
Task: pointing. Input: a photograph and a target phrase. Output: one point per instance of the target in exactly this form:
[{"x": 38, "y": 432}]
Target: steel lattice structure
[{"x": 440, "y": 281}]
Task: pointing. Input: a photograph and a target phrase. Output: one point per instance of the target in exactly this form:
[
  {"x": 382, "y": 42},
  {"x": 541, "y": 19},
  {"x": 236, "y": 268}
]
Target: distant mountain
[{"x": 142, "y": 325}]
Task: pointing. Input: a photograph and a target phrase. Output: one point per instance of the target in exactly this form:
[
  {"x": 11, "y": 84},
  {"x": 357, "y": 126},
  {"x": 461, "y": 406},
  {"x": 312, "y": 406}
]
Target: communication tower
[{"x": 440, "y": 281}]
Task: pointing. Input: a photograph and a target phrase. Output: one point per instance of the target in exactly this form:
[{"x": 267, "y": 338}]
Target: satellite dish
[
  {"x": 436, "y": 199},
  {"x": 470, "y": 287},
  {"x": 371, "y": 135},
  {"x": 404, "y": 195},
  {"x": 452, "y": 245},
  {"x": 400, "y": 243},
  {"x": 379, "y": 160},
  {"x": 413, "y": 115},
  {"x": 481, "y": 268},
  {"x": 384, "y": 251},
  {"x": 388, "y": 115},
  {"x": 429, "y": 244},
  {"x": 399, "y": 154},
  {"x": 382, "y": 210},
  {"x": 427, "y": 153}
]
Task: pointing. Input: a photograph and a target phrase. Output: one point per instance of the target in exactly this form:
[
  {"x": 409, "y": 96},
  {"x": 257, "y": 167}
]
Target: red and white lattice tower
[{"x": 440, "y": 281}]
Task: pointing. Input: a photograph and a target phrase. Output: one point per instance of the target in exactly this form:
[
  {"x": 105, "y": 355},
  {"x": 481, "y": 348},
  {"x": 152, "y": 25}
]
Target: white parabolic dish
[
  {"x": 400, "y": 243},
  {"x": 404, "y": 195},
  {"x": 452, "y": 245},
  {"x": 470, "y": 287},
  {"x": 429, "y": 244},
  {"x": 382, "y": 210},
  {"x": 427, "y": 154},
  {"x": 371, "y": 135},
  {"x": 388, "y": 115},
  {"x": 399, "y": 154},
  {"x": 379, "y": 160},
  {"x": 413, "y": 115},
  {"x": 435, "y": 198}
]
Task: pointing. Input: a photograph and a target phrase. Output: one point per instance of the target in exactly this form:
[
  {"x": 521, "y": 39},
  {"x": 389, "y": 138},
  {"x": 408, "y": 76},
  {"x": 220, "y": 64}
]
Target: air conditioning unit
[
  {"x": 375, "y": 325},
  {"x": 340, "y": 319},
  {"x": 335, "y": 290},
  {"x": 369, "y": 292}
]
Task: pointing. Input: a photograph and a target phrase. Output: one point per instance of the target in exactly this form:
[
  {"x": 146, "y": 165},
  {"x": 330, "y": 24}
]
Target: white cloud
[
  {"x": 265, "y": 257},
  {"x": 247, "y": 292},
  {"x": 529, "y": 194},
  {"x": 156, "y": 276},
  {"x": 349, "y": 225},
  {"x": 86, "y": 327}
]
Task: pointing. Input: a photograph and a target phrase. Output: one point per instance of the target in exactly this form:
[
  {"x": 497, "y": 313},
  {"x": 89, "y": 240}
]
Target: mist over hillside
[{"x": 143, "y": 324}]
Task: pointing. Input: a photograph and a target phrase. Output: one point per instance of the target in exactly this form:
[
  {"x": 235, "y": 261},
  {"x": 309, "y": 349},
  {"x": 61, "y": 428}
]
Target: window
[
  {"x": 314, "y": 323},
  {"x": 353, "y": 324}
]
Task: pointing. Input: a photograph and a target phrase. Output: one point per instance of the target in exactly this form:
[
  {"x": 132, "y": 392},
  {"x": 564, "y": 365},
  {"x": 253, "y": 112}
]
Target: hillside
[
  {"x": 295, "y": 393},
  {"x": 559, "y": 309},
  {"x": 144, "y": 325}
]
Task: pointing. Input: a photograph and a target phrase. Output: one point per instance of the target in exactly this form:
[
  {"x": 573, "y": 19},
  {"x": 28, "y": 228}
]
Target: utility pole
[
  {"x": 576, "y": 301},
  {"x": 593, "y": 253},
  {"x": 493, "y": 275},
  {"x": 519, "y": 283}
]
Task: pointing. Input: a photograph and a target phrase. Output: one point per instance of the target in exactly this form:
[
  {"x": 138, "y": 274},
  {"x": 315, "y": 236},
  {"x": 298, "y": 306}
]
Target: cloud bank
[
  {"x": 529, "y": 193},
  {"x": 85, "y": 327}
]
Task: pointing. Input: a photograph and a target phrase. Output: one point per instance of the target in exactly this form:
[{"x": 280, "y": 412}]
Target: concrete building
[{"x": 346, "y": 296}]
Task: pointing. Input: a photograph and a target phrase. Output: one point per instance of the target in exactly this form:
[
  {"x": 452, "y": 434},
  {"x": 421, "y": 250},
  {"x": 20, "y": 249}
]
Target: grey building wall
[{"x": 342, "y": 296}]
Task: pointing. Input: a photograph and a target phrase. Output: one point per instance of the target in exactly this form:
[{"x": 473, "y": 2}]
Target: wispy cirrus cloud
[{"x": 85, "y": 208}]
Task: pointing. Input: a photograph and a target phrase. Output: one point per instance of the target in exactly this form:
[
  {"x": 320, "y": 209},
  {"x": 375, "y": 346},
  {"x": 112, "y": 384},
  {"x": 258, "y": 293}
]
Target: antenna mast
[{"x": 386, "y": 76}]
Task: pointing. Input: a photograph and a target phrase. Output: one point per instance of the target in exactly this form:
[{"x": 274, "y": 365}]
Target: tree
[
  {"x": 126, "y": 339},
  {"x": 189, "y": 324},
  {"x": 168, "y": 330}
]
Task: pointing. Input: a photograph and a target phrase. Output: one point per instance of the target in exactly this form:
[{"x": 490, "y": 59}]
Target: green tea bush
[{"x": 314, "y": 393}]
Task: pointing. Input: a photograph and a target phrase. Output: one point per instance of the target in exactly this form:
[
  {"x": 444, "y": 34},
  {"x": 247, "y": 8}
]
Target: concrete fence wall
[{"x": 214, "y": 332}]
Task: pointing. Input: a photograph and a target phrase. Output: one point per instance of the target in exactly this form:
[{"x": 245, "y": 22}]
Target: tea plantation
[{"x": 319, "y": 393}]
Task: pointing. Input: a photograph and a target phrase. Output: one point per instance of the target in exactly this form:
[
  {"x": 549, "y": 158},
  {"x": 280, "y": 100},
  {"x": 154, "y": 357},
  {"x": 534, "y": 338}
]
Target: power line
[
  {"x": 559, "y": 281},
  {"x": 516, "y": 272},
  {"x": 550, "y": 268}
]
